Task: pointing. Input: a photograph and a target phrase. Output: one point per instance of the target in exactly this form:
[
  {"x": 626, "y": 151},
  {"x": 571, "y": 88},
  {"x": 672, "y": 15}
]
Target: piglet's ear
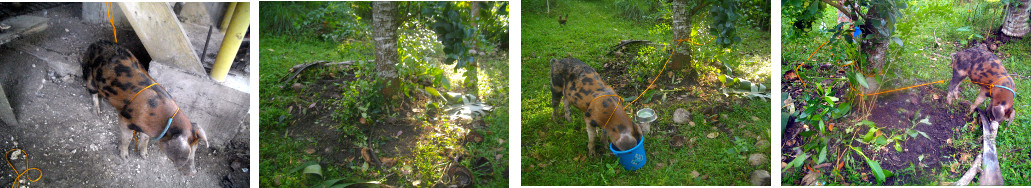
[{"x": 198, "y": 135}]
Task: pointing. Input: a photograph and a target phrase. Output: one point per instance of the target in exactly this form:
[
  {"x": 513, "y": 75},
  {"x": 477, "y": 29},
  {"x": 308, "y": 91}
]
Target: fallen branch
[
  {"x": 297, "y": 69},
  {"x": 969, "y": 176}
]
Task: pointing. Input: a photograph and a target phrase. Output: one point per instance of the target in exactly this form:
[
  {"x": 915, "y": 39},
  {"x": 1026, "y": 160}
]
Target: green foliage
[
  {"x": 756, "y": 13},
  {"x": 647, "y": 11},
  {"x": 332, "y": 21},
  {"x": 452, "y": 30},
  {"x": 724, "y": 15},
  {"x": 802, "y": 12},
  {"x": 493, "y": 22}
]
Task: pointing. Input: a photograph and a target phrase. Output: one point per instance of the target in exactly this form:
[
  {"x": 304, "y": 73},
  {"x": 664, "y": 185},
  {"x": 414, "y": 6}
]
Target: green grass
[
  {"x": 280, "y": 153},
  {"x": 930, "y": 33},
  {"x": 556, "y": 154}
]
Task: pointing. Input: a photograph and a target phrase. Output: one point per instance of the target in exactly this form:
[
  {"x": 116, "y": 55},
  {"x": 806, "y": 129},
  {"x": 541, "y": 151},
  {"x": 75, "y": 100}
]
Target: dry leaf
[
  {"x": 387, "y": 161},
  {"x": 713, "y": 135}
]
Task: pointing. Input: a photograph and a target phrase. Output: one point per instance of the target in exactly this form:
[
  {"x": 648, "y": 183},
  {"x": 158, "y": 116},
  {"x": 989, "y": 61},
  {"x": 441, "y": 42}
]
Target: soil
[
  {"x": 63, "y": 134},
  {"x": 391, "y": 138},
  {"x": 893, "y": 114}
]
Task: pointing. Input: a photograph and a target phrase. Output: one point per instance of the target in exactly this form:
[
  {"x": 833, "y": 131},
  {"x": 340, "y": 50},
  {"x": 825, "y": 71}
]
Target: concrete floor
[{"x": 74, "y": 147}]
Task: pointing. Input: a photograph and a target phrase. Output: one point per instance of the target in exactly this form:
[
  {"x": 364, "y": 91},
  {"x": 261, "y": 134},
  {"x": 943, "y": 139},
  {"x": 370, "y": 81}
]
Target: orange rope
[
  {"x": 8, "y": 158},
  {"x": 613, "y": 108},
  {"x": 111, "y": 20}
]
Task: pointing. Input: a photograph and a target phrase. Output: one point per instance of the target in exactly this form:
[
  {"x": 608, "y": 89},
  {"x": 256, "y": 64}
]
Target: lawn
[
  {"x": 331, "y": 116},
  {"x": 930, "y": 31},
  {"x": 556, "y": 154}
]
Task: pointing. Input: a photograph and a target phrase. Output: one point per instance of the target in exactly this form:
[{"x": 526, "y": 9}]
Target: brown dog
[
  {"x": 114, "y": 73},
  {"x": 581, "y": 86},
  {"x": 986, "y": 70}
]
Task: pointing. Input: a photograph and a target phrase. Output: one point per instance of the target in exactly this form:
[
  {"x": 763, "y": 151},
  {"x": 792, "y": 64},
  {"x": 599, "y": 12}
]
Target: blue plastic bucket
[{"x": 633, "y": 158}]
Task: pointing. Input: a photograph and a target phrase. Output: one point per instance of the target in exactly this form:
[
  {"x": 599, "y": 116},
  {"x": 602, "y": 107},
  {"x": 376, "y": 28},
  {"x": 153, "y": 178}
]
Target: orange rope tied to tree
[
  {"x": 19, "y": 174},
  {"x": 112, "y": 21},
  {"x": 679, "y": 41}
]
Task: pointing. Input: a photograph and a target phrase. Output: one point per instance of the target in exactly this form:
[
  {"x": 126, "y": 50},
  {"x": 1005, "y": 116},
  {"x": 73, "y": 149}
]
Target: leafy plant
[{"x": 875, "y": 167}]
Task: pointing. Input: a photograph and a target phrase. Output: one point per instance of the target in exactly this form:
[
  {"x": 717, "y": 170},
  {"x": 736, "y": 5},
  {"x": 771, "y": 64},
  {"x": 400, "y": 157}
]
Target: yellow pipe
[
  {"x": 226, "y": 18},
  {"x": 231, "y": 42}
]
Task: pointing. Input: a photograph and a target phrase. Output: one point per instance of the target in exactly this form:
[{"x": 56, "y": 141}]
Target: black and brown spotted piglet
[
  {"x": 985, "y": 70},
  {"x": 114, "y": 73},
  {"x": 579, "y": 84}
]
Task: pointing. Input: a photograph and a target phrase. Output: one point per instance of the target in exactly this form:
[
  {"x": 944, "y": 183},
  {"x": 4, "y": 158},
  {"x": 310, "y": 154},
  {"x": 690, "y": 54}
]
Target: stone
[
  {"x": 756, "y": 159},
  {"x": 681, "y": 116},
  {"x": 760, "y": 178}
]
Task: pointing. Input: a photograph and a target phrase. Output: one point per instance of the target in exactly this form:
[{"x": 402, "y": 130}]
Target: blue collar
[
  {"x": 169, "y": 124},
  {"x": 1007, "y": 88}
]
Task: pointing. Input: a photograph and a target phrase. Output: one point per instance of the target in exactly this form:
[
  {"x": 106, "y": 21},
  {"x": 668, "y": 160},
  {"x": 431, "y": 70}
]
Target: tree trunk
[
  {"x": 385, "y": 36},
  {"x": 1015, "y": 23},
  {"x": 471, "y": 80},
  {"x": 681, "y": 26},
  {"x": 876, "y": 50}
]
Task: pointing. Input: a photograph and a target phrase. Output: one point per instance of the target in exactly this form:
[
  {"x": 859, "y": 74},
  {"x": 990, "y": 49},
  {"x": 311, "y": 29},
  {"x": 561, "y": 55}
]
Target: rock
[
  {"x": 757, "y": 159},
  {"x": 681, "y": 116},
  {"x": 761, "y": 144},
  {"x": 760, "y": 178}
]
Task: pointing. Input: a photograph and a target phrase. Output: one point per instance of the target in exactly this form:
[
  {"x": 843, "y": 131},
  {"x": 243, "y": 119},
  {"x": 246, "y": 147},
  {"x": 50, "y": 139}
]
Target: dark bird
[{"x": 562, "y": 20}]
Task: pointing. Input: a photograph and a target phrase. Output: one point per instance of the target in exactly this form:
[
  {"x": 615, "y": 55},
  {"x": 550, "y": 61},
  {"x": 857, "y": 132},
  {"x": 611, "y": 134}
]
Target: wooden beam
[
  {"x": 21, "y": 26},
  {"x": 162, "y": 35}
]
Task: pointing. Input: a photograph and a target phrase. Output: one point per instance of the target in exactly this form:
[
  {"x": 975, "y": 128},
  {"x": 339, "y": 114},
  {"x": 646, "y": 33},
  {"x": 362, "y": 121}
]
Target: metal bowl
[{"x": 646, "y": 115}]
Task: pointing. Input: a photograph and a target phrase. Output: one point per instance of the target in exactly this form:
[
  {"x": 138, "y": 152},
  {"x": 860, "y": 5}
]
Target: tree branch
[
  {"x": 696, "y": 8},
  {"x": 850, "y": 14}
]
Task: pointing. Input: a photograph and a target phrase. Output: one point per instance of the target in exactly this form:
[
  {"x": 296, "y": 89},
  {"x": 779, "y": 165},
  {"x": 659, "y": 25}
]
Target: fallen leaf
[
  {"x": 755, "y": 118},
  {"x": 690, "y": 123},
  {"x": 964, "y": 156},
  {"x": 694, "y": 174},
  {"x": 953, "y": 167},
  {"x": 830, "y": 127},
  {"x": 387, "y": 161},
  {"x": 309, "y": 150},
  {"x": 935, "y": 96},
  {"x": 312, "y": 105},
  {"x": 398, "y": 133},
  {"x": 713, "y": 135}
]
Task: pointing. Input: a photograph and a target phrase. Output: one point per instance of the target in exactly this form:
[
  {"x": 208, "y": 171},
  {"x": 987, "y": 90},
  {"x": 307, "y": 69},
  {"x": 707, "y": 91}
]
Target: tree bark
[
  {"x": 471, "y": 82},
  {"x": 1015, "y": 23},
  {"x": 385, "y": 37},
  {"x": 681, "y": 27}
]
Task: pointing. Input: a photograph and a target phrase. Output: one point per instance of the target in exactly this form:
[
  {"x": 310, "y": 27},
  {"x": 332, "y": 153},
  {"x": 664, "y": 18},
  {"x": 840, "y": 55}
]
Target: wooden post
[{"x": 162, "y": 35}]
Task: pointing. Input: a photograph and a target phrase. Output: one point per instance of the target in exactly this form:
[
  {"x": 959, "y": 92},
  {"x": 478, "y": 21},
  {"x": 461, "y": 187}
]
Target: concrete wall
[{"x": 96, "y": 12}]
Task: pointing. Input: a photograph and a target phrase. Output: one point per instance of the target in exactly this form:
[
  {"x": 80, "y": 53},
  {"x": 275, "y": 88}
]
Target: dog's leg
[
  {"x": 980, "y": 98},
  {"x": 123, "y": 145},
  {"x": 591, "y": 134}
]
